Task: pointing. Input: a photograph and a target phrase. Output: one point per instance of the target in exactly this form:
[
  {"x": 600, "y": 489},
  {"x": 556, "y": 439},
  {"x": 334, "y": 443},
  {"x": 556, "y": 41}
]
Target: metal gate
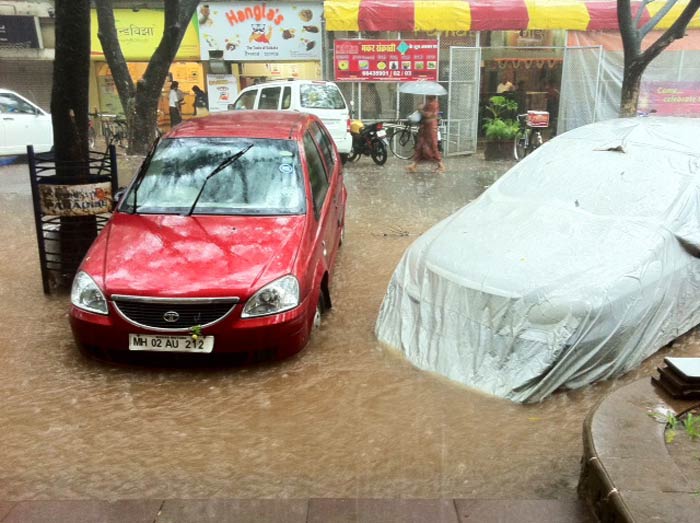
[
  {"x": 462, "y": 125},
  {"x": 580, "y": 87}
]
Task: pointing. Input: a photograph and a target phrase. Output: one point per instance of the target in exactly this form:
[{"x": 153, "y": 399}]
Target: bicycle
[
  {"x": 402, "y": 139},
  {"x": 114, "y": 129},
  {"x": 529, "y": 137}
]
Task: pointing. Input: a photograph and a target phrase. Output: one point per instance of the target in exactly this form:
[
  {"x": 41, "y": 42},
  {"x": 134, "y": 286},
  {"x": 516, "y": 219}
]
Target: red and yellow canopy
[{"x": 485, "y": 15}]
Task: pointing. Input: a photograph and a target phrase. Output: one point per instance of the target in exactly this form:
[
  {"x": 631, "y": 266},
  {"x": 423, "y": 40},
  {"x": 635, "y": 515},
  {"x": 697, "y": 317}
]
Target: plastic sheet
[{"x": 574, "y": 267}]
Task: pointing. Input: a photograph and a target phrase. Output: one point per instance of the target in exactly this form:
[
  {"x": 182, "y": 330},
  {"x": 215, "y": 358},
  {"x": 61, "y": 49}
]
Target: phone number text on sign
[{"x": 386, "y": 60}]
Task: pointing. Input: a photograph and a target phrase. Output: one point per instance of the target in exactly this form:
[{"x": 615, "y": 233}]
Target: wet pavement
[{"x": 346, "y": 418}]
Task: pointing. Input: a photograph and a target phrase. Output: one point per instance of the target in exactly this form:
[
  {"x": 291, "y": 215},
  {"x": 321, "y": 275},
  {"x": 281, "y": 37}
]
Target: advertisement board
[
  {"x": 386, "y": 60},
  {"x": 139, "y": 34},
  {"x": 260, "y": 31},
  {"x": 222, "y": 90},
  {"x": 670, "y": 98},
  {"x": 20, "y": 32}
]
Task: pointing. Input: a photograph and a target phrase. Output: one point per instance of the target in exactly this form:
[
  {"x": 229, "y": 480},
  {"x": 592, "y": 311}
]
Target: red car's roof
[{"x": 250, "y": 124}]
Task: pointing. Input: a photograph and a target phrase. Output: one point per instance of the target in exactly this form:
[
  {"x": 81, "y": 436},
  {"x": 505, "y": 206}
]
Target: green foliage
[
  {"x": 692, "y": 426},
  {"x": 499, "y": 125},
  {"x": 672, "y": 424}
]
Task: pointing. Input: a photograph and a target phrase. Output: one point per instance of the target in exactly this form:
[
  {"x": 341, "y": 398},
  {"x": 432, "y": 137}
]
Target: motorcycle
[{"x": 369, "y": 140}]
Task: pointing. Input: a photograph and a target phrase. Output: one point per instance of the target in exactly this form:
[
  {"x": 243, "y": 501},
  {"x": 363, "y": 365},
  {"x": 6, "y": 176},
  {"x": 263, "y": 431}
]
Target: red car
[{"x": 224, "y": 242}]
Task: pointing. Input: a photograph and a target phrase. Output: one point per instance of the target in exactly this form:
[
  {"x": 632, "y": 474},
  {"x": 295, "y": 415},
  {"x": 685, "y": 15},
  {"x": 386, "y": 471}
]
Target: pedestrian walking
[
  {"x": 201, "y": 100},
  {"x": 175, "y": 99},
  {"x": 427, "y": 140}
]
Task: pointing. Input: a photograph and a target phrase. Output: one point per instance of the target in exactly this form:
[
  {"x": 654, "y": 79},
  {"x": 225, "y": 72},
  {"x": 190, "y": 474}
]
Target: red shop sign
[{"x": 386, "y": 60}]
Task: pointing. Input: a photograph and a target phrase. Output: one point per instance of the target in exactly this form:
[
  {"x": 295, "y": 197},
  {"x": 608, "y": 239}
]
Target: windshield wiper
[
  {"x": 228, "y": 161},
  {"x": 142, "y": 172}
]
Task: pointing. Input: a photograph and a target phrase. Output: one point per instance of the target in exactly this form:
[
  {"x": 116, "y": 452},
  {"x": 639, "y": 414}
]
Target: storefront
[
  {"x": 140, "y": 32},
  {"x": 251, "y": 42},
  {"x": 532, "y": 42},
  {"x": 27, "y": 52}
]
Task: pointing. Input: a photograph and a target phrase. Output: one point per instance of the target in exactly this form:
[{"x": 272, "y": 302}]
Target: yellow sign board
[{"x": 139, "y": 34}]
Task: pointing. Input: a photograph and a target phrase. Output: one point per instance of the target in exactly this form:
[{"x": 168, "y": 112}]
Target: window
[
  {"x": 324, "y": 144},
  {"x": 321, "y": 96},
  {"x": 269, "y": 98},
  {"x": 287, "y": 97},
  {"x": 246, "y": 100},
  {"x": 317, "y": 173},
  {"x": 266, "y": 180},
  {"x": 10, "y": 103}
]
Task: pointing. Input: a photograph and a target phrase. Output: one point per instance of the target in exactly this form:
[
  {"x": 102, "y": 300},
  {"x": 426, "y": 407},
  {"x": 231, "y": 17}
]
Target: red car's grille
[{"x": 173, "y": 314}]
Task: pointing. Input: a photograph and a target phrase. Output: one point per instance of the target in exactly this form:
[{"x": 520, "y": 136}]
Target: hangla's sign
[{"x": 260, "y": 31}]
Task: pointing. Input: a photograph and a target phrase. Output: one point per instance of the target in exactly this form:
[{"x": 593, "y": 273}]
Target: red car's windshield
[{"x": 265, "y": 180}]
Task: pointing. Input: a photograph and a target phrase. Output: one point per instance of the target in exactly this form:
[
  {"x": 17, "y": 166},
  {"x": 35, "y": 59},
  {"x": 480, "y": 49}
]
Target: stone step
[{"x": 298, "y": 511}]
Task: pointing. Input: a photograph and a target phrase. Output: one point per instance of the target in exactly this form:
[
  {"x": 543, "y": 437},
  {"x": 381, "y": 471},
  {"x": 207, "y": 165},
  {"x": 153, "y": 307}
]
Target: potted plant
[{"x": 500, "y": 128}]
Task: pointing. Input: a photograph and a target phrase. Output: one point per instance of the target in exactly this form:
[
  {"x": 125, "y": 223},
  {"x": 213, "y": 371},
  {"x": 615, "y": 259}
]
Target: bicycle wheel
[
  {"x": 520, "y": 145},
  {"x": 403, "y": 143}
]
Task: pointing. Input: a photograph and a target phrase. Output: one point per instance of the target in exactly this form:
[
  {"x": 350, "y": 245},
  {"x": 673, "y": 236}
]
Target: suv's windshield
[
  {"x": 265, "y": 180},
  {"x": 321, "y": 96}
]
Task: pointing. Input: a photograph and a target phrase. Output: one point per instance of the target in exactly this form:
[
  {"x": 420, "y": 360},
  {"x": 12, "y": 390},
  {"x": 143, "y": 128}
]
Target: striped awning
[{"x": 485, "y": 15}]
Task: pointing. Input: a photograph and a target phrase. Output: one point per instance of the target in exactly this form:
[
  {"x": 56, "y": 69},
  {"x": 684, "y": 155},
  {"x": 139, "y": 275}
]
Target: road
[{"x": 347, "y": 417}]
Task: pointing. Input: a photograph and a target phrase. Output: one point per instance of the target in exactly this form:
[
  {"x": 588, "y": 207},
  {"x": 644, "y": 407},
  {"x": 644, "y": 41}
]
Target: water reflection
[{"x": 347, "y": 417}]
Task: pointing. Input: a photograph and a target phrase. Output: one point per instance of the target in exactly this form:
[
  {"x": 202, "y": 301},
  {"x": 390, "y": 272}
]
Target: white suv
[
  {"x": 23, "y": 123},
  {"x": 320, "y": 98}
]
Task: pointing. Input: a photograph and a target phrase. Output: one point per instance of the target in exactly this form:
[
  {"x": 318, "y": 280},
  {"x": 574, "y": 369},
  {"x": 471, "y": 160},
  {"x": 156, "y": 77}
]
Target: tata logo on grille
[{"x": 171, "y": 316}]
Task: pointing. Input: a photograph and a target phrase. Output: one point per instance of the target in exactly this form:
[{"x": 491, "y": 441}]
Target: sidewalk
[{"x": 298, "y": 511}]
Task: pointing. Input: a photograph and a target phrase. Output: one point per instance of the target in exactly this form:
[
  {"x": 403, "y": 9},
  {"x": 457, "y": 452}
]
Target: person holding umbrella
[{"x": 427, "y": 140}]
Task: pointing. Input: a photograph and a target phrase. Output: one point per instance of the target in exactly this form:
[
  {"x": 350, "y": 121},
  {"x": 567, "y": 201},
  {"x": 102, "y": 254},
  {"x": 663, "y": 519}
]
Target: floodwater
[{"x": 347, "y": 417}]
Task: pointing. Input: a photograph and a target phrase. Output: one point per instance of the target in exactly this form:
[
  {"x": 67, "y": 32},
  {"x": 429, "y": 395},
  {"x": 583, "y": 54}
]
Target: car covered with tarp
[{"x": 575, "y": 266}]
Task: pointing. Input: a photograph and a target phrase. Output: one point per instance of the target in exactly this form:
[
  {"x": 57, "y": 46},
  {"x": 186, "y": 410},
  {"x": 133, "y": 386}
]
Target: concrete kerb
[{"x": 625, "y": 459}]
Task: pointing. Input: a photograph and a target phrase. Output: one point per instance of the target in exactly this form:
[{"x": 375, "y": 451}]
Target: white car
[
  {"x": 576, "y": 265},
  {"x": 320, "y": 98},
  {"x": 23, "y": 123}
]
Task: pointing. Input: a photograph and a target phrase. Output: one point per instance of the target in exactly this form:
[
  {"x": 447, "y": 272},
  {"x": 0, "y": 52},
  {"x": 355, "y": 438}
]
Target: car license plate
[
  {"x": 381, "y": 133},
  {"x": 171, "y": 343}
]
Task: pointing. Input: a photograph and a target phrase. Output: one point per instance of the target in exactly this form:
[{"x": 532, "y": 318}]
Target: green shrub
[{"x": 498, "y": 126}]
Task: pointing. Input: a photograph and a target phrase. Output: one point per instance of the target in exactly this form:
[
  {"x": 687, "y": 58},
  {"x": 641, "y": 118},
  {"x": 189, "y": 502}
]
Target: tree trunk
[
  {"x": 69, "y": 116},
  {"x": 631, "y": 83},
  {"x": 71, "y": 73}
]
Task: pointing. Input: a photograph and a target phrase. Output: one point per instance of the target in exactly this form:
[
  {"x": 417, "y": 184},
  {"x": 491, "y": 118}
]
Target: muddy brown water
[{"x": 347, "y": 417}]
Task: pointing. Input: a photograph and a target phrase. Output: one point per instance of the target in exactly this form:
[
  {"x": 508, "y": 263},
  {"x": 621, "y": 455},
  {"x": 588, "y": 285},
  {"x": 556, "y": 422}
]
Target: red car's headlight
[
  {"x": 279, "y": 296},
  {"x": 86, "y": 295}
]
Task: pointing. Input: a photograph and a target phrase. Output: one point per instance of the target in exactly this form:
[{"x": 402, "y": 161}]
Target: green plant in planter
[{"x": 498, "y": 126}]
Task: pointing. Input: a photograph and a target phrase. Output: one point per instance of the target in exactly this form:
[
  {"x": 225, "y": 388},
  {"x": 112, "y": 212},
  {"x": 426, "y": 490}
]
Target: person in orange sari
[{"x": 427, "y": 140}]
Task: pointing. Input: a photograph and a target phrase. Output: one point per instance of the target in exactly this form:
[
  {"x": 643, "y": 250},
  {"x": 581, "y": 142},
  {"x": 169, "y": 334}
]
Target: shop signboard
[
  {"x": 139, "y": 34},
  {"x": 670, "y": 98},
  {"x": 260, "y": 31},
  {"x": 76, "y": 200},
  {"x": 222, "y": 90},
  {"x": 386, "y": 60},
  {"x": 19, "y": 32}
]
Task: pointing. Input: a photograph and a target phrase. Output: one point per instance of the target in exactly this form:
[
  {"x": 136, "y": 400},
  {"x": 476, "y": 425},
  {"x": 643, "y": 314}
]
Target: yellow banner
[
  {"x": 139, "y": 34},
  {"x": 571, "y": 14},
  {"x": 672, "y": 15},
  {"x": 451, "y": 15}
]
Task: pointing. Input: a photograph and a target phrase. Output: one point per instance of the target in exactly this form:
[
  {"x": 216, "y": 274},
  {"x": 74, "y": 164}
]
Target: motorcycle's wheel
[
  {"x": 354, "y": 154},
  {"x": 379, "y": 152}
]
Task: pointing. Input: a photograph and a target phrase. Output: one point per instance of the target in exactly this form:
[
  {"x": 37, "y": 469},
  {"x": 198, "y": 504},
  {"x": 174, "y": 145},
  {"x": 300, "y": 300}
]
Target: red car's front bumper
[{"x": 279, "y": 334}]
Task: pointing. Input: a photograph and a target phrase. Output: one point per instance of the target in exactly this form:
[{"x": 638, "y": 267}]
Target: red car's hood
[{"x": 196, "y": 255}]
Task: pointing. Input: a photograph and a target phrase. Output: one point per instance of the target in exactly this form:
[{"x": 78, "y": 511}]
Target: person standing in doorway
[
  {"x": 427, "y": 141},
  {"x": 552, "y": 97},
  {"x": 174, "y": 101},
  {"x": 505, "y": 86},
  {"x": 520, "y": 97}
]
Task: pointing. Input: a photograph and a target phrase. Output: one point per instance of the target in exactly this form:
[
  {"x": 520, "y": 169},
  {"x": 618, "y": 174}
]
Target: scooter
[{"x": 369, "y": 140}]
